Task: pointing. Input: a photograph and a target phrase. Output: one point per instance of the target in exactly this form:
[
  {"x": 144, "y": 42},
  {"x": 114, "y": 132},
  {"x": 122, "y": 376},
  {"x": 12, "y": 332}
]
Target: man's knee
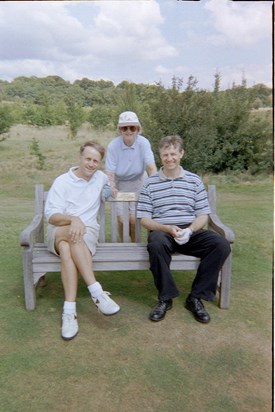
[
  {"x": 63, "y": 248},
  {"x": 223, "y": 246}
]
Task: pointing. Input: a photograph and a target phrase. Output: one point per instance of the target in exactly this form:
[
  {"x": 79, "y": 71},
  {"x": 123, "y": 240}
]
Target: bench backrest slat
[
  {"x": 101, "y": 218},
  {"x": 212, "y": 198}
]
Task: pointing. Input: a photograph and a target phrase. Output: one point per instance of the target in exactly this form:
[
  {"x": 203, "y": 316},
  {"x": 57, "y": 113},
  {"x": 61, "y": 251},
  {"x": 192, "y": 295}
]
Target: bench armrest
[
  {"x": 34, "y": 229},
  {"x": 215, "y": 224}
]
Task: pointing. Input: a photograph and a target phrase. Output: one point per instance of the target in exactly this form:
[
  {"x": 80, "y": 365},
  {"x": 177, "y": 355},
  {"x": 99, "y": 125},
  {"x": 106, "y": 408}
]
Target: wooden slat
[
  {"x": 114, "y": 224},
  {"x": 126, "y": 225},
  {"x": 111, "y": 257}
]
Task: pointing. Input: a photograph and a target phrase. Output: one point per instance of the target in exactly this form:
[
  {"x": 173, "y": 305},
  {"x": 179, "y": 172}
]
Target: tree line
[{"x": 223, "y": 130}]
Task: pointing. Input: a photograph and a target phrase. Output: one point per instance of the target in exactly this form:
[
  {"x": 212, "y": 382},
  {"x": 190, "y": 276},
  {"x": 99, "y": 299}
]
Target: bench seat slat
[{"x": 106, "y": 258}]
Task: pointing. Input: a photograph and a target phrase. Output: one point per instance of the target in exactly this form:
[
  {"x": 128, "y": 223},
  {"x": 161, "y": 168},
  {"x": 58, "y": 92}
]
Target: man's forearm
[
  {"x": 58, "y": 219},
  {"x": 151, "y": 224},
  {"x": 196, "y": 225},
  {"x": 199, "y": 223}
]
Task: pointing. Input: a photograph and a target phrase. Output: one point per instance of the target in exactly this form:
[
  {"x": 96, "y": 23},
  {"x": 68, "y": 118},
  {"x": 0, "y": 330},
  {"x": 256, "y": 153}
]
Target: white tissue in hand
[{"x": 184, "y": 236}]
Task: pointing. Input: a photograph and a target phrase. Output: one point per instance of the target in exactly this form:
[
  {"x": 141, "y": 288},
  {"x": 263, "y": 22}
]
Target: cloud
[
  {"x": 242, "y": 25},
  {"x": 131, "y": 32},
  {"x": 172, "y": 71},
  {"x": 39, "y": 31},
  {"x": 134, "y": 40},
  {"x": 112, "y": 35}
]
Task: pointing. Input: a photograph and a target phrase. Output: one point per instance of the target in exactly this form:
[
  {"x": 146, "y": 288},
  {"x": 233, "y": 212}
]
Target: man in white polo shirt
[
  {"x": 72, "y": 232},
  {"x": 174, "y": 209}
]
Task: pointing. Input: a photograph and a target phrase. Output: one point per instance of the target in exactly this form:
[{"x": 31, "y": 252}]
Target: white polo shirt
[{"x": 74, "y": 196}]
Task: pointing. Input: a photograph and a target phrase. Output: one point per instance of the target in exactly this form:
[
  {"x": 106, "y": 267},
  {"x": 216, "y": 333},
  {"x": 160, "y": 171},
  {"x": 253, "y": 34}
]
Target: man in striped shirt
[{"x": 173, "y": 207}]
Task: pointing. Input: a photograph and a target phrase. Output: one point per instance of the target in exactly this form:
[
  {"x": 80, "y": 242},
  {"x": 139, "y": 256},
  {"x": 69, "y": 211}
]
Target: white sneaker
[
  {"x": 105, "y": 304},
  {"x": 69, "y": 327}
]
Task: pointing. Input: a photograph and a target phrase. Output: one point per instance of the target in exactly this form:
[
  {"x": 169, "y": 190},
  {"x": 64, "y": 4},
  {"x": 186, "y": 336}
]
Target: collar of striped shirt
[{"x": 162, "y": 176}]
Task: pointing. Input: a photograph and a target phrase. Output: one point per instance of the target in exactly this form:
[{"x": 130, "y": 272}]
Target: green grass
[{"x": 126, "y": 363}]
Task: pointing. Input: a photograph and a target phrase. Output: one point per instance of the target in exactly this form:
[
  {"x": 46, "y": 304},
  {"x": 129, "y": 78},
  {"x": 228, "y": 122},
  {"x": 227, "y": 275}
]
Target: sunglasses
[{"x": 131, "y": 128}]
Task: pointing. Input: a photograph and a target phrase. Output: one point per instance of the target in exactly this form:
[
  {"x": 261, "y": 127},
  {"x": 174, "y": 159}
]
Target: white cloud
[
  {"x": 40, "y": 31},
  {"x": 241, "y": 24},
  {"x": 131, "y": 32},
  {"x": 135, "y": 40},
  {"x": 176, "y": 71},
  {"x": 114, "y": 35}
]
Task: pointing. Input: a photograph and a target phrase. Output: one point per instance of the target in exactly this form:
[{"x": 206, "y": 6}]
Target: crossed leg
[{"x": 75, "y": 257}]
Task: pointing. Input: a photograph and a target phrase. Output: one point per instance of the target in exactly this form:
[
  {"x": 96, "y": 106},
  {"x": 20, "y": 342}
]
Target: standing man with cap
[{"x": 128, "y": 157}]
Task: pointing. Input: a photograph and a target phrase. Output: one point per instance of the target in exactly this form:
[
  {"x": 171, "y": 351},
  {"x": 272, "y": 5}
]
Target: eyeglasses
[{"x": 131, "y": 128}]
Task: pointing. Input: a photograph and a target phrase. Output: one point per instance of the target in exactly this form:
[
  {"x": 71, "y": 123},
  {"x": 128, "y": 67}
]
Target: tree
[
  {"x": 100, "y": 117},
  {"x": 6, "y": 120},
  {"x": 35, "y": 150},
  {"x": 217, "y": 82},
  {"x": 127, "y": 100},
  {"x": 75, "y": 115},
  {"x": 220, "y": 130}
]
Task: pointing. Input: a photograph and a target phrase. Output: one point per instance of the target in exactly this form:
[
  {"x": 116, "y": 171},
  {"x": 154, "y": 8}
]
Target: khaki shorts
[{"x": 90, "y": 238}]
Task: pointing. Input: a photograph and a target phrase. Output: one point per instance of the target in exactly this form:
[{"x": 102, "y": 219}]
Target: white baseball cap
[{"x": 128, "y": 119}]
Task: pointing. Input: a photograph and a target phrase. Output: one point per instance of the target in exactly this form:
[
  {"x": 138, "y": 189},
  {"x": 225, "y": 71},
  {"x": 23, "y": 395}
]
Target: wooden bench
[{"x": 111, "y": 255}]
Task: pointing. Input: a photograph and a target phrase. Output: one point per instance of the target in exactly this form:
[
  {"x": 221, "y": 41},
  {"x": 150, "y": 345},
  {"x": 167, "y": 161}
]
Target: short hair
[
  {"x": 95, "y": 146},
  {"x": 168, "y": 141}
]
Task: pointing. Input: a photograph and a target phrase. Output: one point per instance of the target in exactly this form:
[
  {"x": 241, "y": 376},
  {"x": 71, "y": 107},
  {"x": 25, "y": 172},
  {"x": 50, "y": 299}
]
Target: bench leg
[
  {"x": 29, "y": 288},
  {"x": 224, "y": 296}
]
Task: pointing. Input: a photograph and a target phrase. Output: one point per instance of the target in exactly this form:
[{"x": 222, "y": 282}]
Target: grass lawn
[{"x": 125, "y": 362}]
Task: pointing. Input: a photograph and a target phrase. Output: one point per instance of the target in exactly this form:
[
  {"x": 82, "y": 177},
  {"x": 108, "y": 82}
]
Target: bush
[{"x": 6, "y": 120}]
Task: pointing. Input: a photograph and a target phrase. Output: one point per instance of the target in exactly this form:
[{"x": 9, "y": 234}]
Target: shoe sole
[
  {"x": 63, "y": 337},
  {"x": 156, "y": 320},
  {"x": 108, "y": 314}
]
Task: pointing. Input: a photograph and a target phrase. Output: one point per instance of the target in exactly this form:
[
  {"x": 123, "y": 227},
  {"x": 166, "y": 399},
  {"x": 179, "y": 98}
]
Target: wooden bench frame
[{"x": 110, "y": 255}]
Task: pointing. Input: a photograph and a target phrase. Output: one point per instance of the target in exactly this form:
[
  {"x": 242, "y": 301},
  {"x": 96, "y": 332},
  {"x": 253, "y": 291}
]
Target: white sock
[
  {"x": 69, "y": 307},
  {"x": 95, "y": 289}
]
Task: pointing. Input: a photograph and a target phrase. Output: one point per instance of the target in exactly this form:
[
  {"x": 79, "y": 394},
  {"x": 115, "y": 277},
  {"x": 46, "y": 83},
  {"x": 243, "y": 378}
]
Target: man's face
[
  {"x": 90, "y": 161},
  {"x": 170, "y": 157}
]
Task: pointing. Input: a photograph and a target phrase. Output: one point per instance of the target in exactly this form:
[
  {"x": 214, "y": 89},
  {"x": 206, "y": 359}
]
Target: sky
[{"x": 140, "y": 41}]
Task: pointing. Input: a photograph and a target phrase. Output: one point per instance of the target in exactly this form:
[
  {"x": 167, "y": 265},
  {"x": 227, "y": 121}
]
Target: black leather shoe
[
  {"x": 195, "y": 306},
  {"x": 160, "y": 309}
]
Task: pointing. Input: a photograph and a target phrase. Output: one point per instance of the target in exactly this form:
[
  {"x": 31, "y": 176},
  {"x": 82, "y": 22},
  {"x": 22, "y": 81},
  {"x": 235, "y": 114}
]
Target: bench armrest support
[
  {"x": 216, "y": 225},
  {"x": 34, "y": 231}
]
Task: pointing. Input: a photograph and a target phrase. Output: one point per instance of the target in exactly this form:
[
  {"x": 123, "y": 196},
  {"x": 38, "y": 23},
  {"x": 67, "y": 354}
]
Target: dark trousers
[{"x": 209, "y": 246}]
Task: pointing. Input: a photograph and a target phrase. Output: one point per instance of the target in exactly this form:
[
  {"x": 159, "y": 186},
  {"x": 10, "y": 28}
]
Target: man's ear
[{"x": 182, "y": 154}]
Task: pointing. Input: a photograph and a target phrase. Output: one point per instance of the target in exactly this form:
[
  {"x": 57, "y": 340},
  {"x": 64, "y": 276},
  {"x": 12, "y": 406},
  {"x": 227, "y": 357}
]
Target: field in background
[
  {"x": 125, "y": 363},
  {"x": 20, "y": 167}
]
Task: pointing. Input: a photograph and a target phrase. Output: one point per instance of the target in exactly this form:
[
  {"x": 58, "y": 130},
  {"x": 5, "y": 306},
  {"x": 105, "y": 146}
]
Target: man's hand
[
  {"x": 183, "y": 236},
  {"x": 106, "y": 192},
  {"x": 77, "y": 230}
]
